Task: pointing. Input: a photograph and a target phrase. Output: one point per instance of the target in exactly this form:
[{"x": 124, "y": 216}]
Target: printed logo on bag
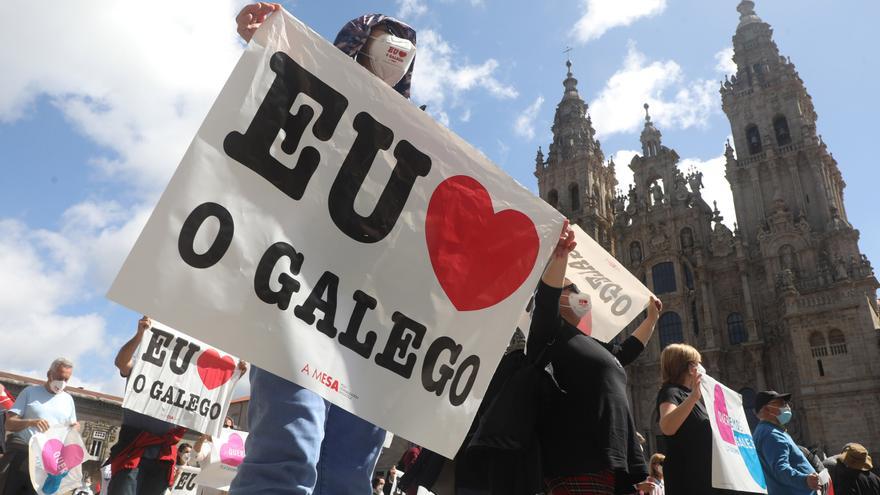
[
  {"x": 735, "y": 433},
  {"x": 232, "y": 452}
]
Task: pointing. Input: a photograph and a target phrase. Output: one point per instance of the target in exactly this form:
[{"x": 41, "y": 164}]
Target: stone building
[{"x": 785, "y": 300}]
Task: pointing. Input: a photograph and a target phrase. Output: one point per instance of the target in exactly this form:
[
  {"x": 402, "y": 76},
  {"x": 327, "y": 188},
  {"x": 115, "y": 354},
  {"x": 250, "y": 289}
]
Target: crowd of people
[{"x": 575, "y": 387}]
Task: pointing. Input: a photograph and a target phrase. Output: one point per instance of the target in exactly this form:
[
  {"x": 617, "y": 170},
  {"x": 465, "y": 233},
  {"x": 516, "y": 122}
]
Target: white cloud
[
  {"x": 524, "y": 125},
  {"x": 675, "y": 102},
  {"x": 409, "y": 9},
  {"x": 465, "y": 115},
  {"x": 717, "y": 188},
  {"x": 724, "y": 61},
  {"x": 439, "y": 79},
  {"x": 602, "y": 15},
  {"x": 137, "y": 79},
  {"x": 624, "y": 174}
]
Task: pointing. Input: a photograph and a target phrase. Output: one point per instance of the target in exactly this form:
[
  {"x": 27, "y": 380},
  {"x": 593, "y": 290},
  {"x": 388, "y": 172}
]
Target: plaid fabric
[
  {"x": 601, "y": 483},
  {"x": 353, "y": 36}
]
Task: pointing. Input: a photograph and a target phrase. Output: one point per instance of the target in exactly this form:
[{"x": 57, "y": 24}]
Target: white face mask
[
  {"x": 390, "y": 57},
  {"x": 579, "y": 304},
  {"x": 700, "y": 369},
  {"x": 57, "y": 386},
  {"x": 185, "y": 457}
]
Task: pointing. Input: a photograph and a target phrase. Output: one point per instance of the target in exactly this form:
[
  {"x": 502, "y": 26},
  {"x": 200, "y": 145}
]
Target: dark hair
[{"x": 376, "y": 481}]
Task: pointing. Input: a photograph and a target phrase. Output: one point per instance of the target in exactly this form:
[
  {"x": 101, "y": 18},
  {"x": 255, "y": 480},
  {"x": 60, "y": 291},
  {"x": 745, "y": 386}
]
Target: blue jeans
[{"x": 300, "y": 444}]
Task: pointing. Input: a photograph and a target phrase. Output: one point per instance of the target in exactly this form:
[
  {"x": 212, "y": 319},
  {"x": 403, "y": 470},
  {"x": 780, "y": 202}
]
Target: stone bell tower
[{"x": 574, "y": 178}]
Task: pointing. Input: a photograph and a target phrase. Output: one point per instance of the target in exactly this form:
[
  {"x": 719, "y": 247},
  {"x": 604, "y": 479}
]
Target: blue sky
[{"x": 98, "y": 102}]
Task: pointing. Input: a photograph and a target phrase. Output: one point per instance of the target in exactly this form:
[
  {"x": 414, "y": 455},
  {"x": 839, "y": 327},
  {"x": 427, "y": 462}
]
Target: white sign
[
  {"x": 185, "y": 480},
  {"x": 181, "y": 380},
  {"x": 735, "y": 463},
  {"x": 325, "y": 229},
  {"x": 56, "y": 458},
  {"x": 616, "y": 297},
  {"x": 221, "y": 465}
]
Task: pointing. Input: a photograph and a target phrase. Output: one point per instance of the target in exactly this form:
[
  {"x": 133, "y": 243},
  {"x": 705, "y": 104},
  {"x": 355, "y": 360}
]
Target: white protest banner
[
  {"x": 181, "y": 380},
  {"x": 55, "y": 460},
  {"x": 324, "y": 228},
  {"x": 735, "y": 463},
  {"x": 185, "y": 481},
  {"x": 221, "y": 465},
  {"x": 615, "y": 297}
]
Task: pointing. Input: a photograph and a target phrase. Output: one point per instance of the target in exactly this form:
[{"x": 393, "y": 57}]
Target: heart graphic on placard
[
  {"x": 721, "y": 416},
  {"x": 213, "y": 369},
  {"x": 480, "y": 257},
  {"x": 232, "y": 452},
  {"x": 59, "y": 458}
]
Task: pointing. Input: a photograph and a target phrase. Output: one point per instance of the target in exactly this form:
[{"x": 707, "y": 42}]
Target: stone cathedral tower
[
  {"x": 785, "y": 300},
  {"x": 574, "y": 179}
]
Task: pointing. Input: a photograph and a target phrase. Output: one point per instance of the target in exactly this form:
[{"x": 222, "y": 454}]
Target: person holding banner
[
  {"x": 37, "y": 408},
  {"x": 786, "y": 469},
  {"x": 587, "y": 434},
  {"x": 684, "y": 422},
  {"x": 142, "y": 460},
  {"x": 298, "y": 442}
]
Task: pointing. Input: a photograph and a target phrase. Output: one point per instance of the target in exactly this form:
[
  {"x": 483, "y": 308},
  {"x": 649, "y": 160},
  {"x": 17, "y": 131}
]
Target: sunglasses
[{"x": 572, "y": 288}]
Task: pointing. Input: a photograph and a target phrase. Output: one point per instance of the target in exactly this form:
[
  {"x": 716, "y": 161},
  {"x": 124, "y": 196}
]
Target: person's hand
[
  {"x": 813, "y": 481},
  {"x": 242, "y": 366},
  {"x": 696, "y": 380},
  {"x": 75, "y": 425},
  {"x": 144, "y": 324},
  {"x": 646, "y": 487},
  {"x": 252, "y": 17},
  {"x": 566, "y": 243},
  {"x": 40, "y": 424},
  {"x": 654, "y": 309}
]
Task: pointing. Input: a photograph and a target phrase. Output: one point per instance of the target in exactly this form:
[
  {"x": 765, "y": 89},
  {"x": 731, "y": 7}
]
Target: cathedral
[{"x": 784, "y": 301}]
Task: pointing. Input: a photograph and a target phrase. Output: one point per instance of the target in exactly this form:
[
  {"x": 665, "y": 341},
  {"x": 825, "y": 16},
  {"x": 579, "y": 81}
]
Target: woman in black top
[
  {"x": 684, "y": 422},
  {"x": 587, "y": 434}
]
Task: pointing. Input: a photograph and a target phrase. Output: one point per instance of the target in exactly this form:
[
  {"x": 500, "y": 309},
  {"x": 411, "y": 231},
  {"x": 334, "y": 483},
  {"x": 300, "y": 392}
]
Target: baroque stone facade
[{"x": 785, "y": 300}]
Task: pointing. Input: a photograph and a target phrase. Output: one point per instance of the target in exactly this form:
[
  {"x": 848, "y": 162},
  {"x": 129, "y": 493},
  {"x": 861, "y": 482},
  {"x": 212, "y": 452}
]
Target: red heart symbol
[
  {"x": 213, "y": 369},
  {"x": 479, "y": 257}
]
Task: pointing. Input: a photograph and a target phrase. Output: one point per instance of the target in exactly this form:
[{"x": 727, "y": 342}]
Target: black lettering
[
  {"x": 215, "y": 411},
  {"x": 609, "y": 292},
  {"x": 178, "y": 401},
  {"x": 621, "y": 306},
  {"x": 251, "y": 149},
  {"x": 138, "y": 384},
  {"x": 191, "y": 226},
  {"x": 193, "y": 403},
  {"x": 178, "y": 365},
  {"x": 289, "y": 285},
  {"x": 191, "y": 481},
  {"x": 168, "y": 398},
  {"x": 348, "y": 338},
  {"x": 156, "y": 390},
  {"x": 574, "y": 254},
  {"x": 398, "y": 345},
  {"x": 471, "y": 362},
  {"x": 306, "y": 311},
  {"x": 204, "y": 406},
  {"x": 411, "y": 164},
  {"x": 155, "y": 354},
  {"x": 428, "y": 381},
  {"x": 581, "y": 265}
]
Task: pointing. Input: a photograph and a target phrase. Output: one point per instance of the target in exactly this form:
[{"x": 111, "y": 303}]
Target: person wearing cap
[
  {"x": 786, "y": 469},
  {"x": 298, "y": 443},
  {"x": 851, "y": 473}
]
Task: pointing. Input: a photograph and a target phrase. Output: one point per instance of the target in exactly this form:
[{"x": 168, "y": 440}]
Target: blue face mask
[{"x": 784, "y": 415}]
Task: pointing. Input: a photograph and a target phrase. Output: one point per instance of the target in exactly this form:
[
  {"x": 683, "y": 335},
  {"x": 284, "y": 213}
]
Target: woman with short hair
[{"x": 684, "y": 422}]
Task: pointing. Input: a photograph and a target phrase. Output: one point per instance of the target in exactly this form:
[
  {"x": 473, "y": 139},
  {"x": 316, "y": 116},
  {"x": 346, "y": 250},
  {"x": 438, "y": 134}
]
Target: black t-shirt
[
  {"x": 589, "y": 427},
  {"x": 688, "y": 466}
]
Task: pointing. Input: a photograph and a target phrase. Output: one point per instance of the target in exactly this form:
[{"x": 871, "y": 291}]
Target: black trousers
[
  {"x": 14, "y": 465},
  {"x": 149, "y": 478}
]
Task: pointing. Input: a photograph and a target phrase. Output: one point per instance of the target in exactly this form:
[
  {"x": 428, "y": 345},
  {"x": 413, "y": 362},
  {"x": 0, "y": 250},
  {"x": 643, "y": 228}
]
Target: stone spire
[
  {"x": 573, "y": 133},
  {"x": 747, "y": 15},
  {"x": 650, "y": 136}
]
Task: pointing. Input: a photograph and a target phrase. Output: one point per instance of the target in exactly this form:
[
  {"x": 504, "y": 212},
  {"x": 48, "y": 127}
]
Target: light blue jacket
[{"x": 785, "y": 466}]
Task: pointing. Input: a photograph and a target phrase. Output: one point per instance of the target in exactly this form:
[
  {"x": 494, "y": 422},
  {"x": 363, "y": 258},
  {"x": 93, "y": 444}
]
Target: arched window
[
  {"x": 663, "y": 275},
  {"x": 780, "y": 127},
  {"x": 818, "y": 345},
  {"x": 635, "y": 253},
  {"x": 670, "y": 329},
  {"x": 736, "y": 329},
  {"x": 753, "y": 138},
  {"x": 574, "y": 194},
  {"x": 553, "y": 198},
  {"x": 836, "y": 342}
]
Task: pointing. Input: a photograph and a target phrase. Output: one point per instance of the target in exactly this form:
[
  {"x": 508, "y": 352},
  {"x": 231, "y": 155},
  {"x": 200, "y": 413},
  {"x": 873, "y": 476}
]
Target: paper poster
[
  {"x": 185, "y": 481},
  {"x": 181, "y": 380},
  {"x": 56, "y": 458},
  {"x": 615, "y": 296},
  {"x": 323, "y": 228},
  {"x": 227, "y": 453},
  {"x": 735, "y": 463}
]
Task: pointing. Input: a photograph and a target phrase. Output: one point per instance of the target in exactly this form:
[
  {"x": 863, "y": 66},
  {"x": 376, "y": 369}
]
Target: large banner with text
[
  {"x": 609, "y": 297},
  {"x": 324, "y": 228},
  {"x": 181, "y": 380},
  {"x": 735, "y": 463}
]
